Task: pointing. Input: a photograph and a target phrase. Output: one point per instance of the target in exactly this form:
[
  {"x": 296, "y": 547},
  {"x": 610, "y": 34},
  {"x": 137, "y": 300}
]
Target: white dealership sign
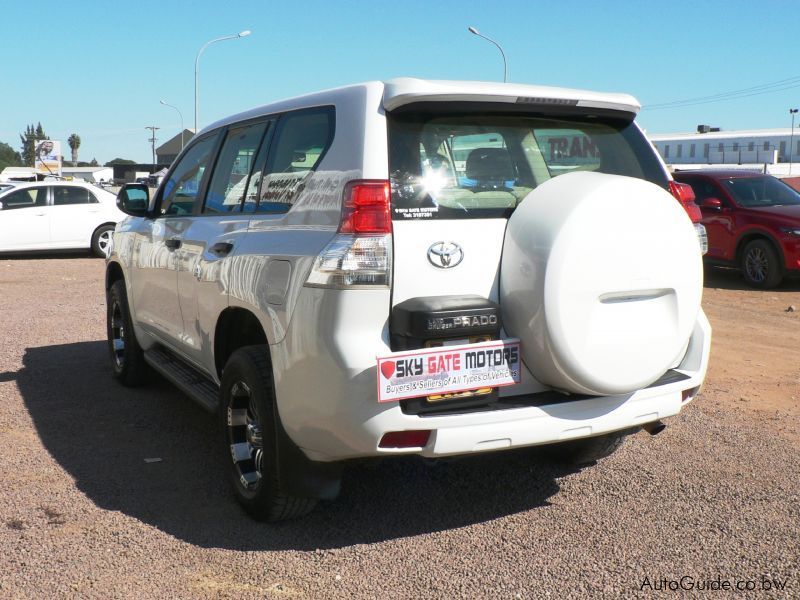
[{"x": 448, "y": 369}]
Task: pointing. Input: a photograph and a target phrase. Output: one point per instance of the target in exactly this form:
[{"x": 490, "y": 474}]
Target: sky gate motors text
[
  {"x": 492, "y": 358},
  {"x": 472, "y": 359}
]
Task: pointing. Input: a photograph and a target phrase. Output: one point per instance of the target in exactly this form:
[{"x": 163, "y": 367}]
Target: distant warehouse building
[
  {"x": 167, "y": 152},
  {"x": 712, "y": 146}
]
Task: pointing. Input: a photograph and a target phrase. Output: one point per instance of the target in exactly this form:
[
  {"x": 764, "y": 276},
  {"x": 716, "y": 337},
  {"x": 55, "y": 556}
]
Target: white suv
[{"x": 412, "y": 267}]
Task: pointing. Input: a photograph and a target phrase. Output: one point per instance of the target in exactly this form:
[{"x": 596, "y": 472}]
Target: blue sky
[{"x": 99, "y": 69}]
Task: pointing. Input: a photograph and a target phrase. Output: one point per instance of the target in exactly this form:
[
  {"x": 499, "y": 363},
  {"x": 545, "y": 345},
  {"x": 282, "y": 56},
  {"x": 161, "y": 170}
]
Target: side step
[{"x": 186, "y": 378}]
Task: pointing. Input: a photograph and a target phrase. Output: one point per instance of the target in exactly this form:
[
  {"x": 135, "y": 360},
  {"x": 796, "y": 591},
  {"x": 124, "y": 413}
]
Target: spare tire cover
[{"x": 601, "y": 279}]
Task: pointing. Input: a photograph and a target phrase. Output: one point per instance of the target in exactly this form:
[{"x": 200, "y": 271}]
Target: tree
[
  {"x": 74, "y": 142},
  {"x": 28, "y": 140},
  {"x": 120, "y": 161},
  {"x": 9, "y": 158},
  {"x": 94, "y": 163}
]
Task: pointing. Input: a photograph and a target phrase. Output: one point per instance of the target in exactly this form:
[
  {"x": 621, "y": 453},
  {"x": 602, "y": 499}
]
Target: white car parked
[{"x": 57, "y": 215}]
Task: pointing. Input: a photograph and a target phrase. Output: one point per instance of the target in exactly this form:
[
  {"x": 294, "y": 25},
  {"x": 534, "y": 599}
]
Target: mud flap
[{"x": 300, "y": 476}]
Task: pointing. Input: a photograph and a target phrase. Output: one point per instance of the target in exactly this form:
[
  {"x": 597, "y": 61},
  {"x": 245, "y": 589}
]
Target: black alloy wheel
[
  {"x": 245, "y": 437},
  {"x": 760, "y": 265},
  {"x": 127, "y": 358}
]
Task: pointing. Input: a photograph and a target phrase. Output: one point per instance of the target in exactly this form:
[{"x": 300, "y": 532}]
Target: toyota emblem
[{"x": 445, "y": 255}]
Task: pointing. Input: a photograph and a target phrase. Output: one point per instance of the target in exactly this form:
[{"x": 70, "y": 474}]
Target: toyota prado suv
[{"x": 412, "y": 267}]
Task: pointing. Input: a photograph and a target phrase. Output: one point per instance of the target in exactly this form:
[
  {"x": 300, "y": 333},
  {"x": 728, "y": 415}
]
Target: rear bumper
[
  {"x": 554, "y": 423},
  {"x": 326, "y": 394}
]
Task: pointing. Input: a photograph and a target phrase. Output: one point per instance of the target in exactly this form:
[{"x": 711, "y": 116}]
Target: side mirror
[
  {"x": 134, "y": 199},
  {"x": 711, "y": 204}
]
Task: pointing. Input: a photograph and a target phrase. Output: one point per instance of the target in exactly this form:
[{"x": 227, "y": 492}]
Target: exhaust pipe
[{"x": 654, "y": 428}]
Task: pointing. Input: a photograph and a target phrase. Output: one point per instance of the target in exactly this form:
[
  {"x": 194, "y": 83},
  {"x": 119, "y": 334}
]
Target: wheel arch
[
  {"x": 759, "y": 234},
  {"x": 236, "y": 327},
  {"x": 106, "y": 223},
  {"x": 113, "y": 274}
]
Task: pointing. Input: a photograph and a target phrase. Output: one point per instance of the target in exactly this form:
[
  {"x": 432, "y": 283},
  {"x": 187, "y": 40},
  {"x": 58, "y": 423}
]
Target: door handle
[
  {"x": 172, "y": 243},
  {"x": 222, "y": 248}
]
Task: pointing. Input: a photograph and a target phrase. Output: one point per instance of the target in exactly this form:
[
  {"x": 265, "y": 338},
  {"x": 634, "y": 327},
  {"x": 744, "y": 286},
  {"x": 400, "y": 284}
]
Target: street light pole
[
  {"x": 241, "y": 34},
  {"x": 179, "y": 114},
  {"x": 793, "y": 112},
  {"x": 488, "y": 39}
]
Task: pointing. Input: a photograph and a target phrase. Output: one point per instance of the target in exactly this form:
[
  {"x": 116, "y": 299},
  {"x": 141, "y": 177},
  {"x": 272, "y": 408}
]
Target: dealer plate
[{"x": 448, "y": 369}]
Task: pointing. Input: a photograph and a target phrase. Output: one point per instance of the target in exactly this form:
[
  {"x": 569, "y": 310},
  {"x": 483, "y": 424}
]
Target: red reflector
[
  {"x": 366, "y": 207},
  {"x": 685, "y": 195},
  {"x": 405, "y": 439}
]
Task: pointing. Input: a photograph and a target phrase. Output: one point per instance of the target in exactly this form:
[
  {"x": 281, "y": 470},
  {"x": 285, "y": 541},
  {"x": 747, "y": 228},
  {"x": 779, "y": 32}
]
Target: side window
[
  {"x": 704, "y": 189},
  {"x": 229, "y": 183},
  {"x": 63, "y": 195},
  {"x": 25, "y": 198},
  {"x": 300, "y": 142},
  {"x": 183, "y": 186}
]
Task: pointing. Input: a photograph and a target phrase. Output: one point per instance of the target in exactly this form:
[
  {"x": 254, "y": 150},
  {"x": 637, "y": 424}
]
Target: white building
[
  {"x": 756, "y": 146},
  {"x": 88, "y": 174},
  {"x": 18, "y": 174}
]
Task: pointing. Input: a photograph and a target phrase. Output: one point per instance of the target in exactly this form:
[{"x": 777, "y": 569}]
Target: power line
[{"x": 765, "y": 88}]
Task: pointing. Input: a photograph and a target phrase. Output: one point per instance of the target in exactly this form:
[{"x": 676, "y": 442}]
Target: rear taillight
[
  {"x": 365, "y": 208},
  {"x": 702, "y": 237},
  {"x": 685, "y": 195},
  {"x": 360, "y": 254}
]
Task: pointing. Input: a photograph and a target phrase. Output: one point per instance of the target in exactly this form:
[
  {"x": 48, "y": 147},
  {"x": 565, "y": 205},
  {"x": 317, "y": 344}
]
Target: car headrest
[{"x": 490, "y": 163}]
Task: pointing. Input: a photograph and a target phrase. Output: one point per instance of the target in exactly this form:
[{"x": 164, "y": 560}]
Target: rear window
[{"x": 468, "y": 166}]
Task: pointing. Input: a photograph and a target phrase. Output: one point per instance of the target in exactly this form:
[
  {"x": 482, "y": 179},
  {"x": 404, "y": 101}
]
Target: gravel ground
[{"x": 85, "y": 514}]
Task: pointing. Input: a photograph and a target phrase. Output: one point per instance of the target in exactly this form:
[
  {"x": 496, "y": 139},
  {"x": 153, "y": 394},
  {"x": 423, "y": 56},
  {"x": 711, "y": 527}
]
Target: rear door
[
  {"x": 73, "y": 217},
  {"x": 25, "y": 219},
  {"x": 457, "y": 177}
]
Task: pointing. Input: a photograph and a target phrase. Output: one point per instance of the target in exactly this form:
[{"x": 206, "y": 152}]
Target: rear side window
[
  {"x": 228, "y": 186},
  {"x": 703, "y": 189},
  {"x": 63, "y": 195},
  {"x": 301, "y": 140},
  {"x": 467, "y": 166},
  {"x": 182, "y": 188}
]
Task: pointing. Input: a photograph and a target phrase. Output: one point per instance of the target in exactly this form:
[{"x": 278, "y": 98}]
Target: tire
[
  {"x": 101, "y": 240},
  {"x": 601, "y": 280},
  {"x": 127, "y": 358},
  {"x": 760, "y": 265},
  {"x": 247, "y": 417},
  {"x": 589, "y": 450}
]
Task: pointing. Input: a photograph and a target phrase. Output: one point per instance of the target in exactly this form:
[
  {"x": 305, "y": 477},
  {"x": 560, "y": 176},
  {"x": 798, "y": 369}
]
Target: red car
[{"x": 752, "y": 221}]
